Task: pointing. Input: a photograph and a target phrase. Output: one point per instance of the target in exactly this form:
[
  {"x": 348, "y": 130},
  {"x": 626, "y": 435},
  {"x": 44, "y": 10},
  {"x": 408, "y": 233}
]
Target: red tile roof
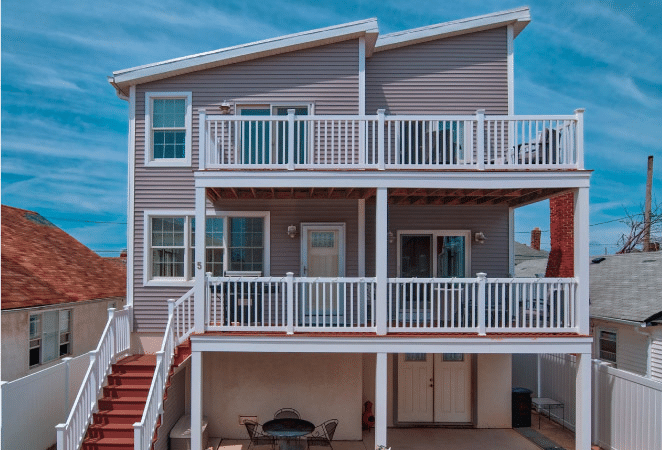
[{"x": 43, "y": 265}]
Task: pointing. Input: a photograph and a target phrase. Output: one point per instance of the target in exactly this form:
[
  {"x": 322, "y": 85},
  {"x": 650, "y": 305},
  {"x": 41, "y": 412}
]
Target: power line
[{"x": 86, "y": 221}]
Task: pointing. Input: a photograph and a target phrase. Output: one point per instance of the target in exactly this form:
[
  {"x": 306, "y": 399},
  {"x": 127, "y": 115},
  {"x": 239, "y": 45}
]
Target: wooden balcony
[{"x": 384, "y": 142}]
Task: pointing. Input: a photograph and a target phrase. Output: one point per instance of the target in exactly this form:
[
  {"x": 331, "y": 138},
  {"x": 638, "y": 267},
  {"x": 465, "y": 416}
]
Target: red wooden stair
[{"x": 124, "y": 400}]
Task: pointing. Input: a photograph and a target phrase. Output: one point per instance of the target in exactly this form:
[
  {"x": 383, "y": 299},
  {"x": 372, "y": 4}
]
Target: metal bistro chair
[
  {"x": 287, "y": 413},
  {"x": 257, "y": 437},
  {"x": 323, "y": 434}
]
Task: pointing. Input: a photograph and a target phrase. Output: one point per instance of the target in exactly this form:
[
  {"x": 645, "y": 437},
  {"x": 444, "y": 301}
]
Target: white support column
[
  {"x": 511, "y": 69},
  {"x": 361, "y": 237},
  {"x": 381, "y": 396},
  {"x": 511, "y": 241},
  {"x": 581, "y": 255},
  {"x": 290, "y": 139},
  {"x": 202, "y": 138},
  {"x": 381, "y": 258},
  {"x": 579, "y": 115},
  {"x": 196, "y": 400},
  {"x": 480, "y": 139},
  {"x": 361, "y": 76},
  {"x": 381, "y": 139},
  {"x": 583, "y": 402},
  {"x": 200, "y": 232}
]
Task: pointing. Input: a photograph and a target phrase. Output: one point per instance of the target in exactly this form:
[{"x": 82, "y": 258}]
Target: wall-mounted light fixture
[
  {"x": 391, "y": 237},
  {"x": 480, "y": 237},
  {"x": 292, "y": 231},
  {"x": 225, "y": 107}
]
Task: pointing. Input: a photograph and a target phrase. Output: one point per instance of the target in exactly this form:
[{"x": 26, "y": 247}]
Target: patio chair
[
  {"x": 287, "y": 413},
  {"x": 323, "y": 434},
  {"x": 257, "y": 437}
]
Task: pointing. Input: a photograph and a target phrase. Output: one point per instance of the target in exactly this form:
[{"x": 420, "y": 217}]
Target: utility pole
[{"x": 647, "y": 207}]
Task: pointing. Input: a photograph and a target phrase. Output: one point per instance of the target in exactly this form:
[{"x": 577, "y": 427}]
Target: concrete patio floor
[{"x": 425, "y": 439}]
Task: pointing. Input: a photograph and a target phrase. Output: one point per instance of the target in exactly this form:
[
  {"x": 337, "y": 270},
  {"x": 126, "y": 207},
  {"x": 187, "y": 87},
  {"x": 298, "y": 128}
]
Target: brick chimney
[
  {"x": 561, "y": 259},
  {"x": 535, "y": 238},
  {"x": 123, "y": 253}
]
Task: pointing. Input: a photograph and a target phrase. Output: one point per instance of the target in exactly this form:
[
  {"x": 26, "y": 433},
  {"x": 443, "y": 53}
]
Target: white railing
[
  {"x": 312, "y": 304},
  {"x": 482, "y": 304},
  {"x": 290, "y": 304},
  {"x": 178, "y": 328},
  {"x": 391, "y": 142},
  {"x": 334, "y": 304},
  {"x": 114, "y": 342},
  {"x": 432, "y": 304},
  {"x": 526, "y": 304}
]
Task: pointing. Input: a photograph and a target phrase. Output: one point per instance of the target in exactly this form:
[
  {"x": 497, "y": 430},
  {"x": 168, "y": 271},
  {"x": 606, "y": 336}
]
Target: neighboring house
[
  {"x": 55, "y": 293},
  {"x": 530, "y": 262},
  {"x": 626, "y": 311},
  {"x": 325, "y": 206}
]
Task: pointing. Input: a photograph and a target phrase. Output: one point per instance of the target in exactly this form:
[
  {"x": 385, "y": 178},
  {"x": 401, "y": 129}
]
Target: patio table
[{"x": 288, "y": 432}]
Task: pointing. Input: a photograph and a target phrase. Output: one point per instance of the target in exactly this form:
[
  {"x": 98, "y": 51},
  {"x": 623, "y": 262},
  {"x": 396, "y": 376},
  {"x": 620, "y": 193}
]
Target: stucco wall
[
  {"x": 493, "y": 391},
  {"x": 319, "y": 386},
  {"x": 88, "y": 321}
]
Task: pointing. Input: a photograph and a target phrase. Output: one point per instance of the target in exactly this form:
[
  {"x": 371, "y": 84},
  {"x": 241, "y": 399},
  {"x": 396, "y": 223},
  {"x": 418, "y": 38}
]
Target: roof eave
[
  {"x": 518, "y": 17},
  {"x": 142, "y": 74}
]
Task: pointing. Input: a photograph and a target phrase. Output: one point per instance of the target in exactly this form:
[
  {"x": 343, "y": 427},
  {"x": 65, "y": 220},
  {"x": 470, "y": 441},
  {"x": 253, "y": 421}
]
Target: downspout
[{"x": 649, "y": 339}]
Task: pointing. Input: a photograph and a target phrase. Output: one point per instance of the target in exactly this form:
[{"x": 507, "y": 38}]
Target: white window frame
[
  {"x": 189, "y": 277},
  {"x": 436, "y": 233},
  {"x": 59, "y": 336},
  {"x": 149, "y": 151}
]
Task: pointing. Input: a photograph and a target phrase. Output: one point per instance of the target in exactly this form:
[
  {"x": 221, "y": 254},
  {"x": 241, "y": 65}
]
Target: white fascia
[
  {"x": 364, "y": 28},
  {"x": 518, "y": 17}
]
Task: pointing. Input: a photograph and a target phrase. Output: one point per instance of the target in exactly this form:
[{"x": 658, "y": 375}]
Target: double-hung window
[
  {"x": 235, "y": 242},
  {"x": 607, "y": 346},
  {"x": 168, "y": 119},
  {"x": 50, "y": 336}
]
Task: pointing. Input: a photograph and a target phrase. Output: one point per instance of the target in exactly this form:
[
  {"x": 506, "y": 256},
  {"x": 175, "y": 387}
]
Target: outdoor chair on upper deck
[
  {"x": 257, "y": 437},
  {"x": 542, "y": 150},
  {"x": 323, "y": 434},
  {"x": 287, "y": 413}
]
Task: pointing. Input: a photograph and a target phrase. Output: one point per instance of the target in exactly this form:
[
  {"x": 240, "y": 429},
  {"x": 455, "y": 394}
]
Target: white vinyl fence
[
  {"x": 626, "y": 408},
  {"x": 34, "y": 404}
]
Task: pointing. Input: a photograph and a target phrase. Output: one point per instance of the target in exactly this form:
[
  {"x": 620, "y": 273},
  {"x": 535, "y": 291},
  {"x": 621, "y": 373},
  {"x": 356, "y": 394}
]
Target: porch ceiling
[{"x": 398, "y": 196}]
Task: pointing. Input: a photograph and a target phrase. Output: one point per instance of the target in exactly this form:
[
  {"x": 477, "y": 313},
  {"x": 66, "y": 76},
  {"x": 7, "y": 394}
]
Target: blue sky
[{"x": 64, "y": 132}]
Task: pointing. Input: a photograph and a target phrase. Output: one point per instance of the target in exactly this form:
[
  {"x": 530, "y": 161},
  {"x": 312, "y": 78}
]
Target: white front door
[
  {"x": 323, "y": 256},
  {"x": 452, "y": 393},
  {"x": 434, "y": 388}
]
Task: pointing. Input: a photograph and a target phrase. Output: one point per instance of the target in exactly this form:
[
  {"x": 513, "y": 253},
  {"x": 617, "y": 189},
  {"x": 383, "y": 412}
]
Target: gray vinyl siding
[
  {"x": 456, "y": 75},
  {"x": 491, "y": 257},
  {"x": 656, "y": 359},
  {"x": 286, "y": 251},
  {"x": 631, "y": 347},
  {"x": 326, "y": 76}
]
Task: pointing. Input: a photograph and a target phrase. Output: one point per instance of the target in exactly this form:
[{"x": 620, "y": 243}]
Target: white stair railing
[
  {"x": 178, "y": 329},
  {"x": 114, "y": 342}
]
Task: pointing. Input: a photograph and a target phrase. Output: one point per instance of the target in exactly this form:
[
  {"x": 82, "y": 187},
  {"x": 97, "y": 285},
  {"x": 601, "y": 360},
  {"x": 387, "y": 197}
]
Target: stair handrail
[
  {"x": 115, "y": 341},
  {"x": 178, "y": 328}
]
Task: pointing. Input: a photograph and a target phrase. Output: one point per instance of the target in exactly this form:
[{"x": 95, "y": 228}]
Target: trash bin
[{"x": 521, "y": 407}]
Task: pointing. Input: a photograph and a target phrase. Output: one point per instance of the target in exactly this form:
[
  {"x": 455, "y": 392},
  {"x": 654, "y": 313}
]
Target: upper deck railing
[{"x": 473, "y": 142}]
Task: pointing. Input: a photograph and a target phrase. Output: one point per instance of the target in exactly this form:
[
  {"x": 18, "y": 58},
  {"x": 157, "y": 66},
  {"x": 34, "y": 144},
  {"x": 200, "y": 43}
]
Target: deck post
[
  {"x": 583, "y": 402},
  {"x": 579, "y": 115},
  {"x": 200, "y": 233},
  {"x": 381, "y": 258},
  {"x": 290, "y": 139},
  {"x": 202, "y": 138},
  {"x": 482, "y": 278},
  {"x": 196, "y": 400},
  {"x": 290, "y": 302},
  {"x": 381, "y": 157},
  {"x": 581, "y": 259},
  {"x": 381, "y": 396},
  {"x": 480, "y": 138}
]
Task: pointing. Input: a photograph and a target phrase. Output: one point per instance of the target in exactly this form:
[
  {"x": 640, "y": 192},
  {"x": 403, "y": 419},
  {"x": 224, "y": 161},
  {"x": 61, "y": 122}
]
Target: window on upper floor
[
  {"x": 50, "y": 336},
  {"x": 168, "y": 119},
  {"x": 234, "y": 243},
  {"x": 607, "y": 346}
]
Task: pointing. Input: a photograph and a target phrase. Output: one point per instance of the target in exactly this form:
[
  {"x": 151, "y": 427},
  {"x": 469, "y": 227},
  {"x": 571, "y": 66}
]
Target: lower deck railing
[{"x": 309, "y": 304}]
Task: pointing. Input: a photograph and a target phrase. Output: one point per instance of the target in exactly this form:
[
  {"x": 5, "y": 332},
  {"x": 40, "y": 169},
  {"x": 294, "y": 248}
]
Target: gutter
[
  {"x": 118, "y": 91},
  {"x": 623, "y": 321}
]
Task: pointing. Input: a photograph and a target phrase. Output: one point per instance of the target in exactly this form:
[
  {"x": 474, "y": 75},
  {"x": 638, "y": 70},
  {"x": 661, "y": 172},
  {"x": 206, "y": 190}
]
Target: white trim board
[{"x": 367, "y": 28}]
